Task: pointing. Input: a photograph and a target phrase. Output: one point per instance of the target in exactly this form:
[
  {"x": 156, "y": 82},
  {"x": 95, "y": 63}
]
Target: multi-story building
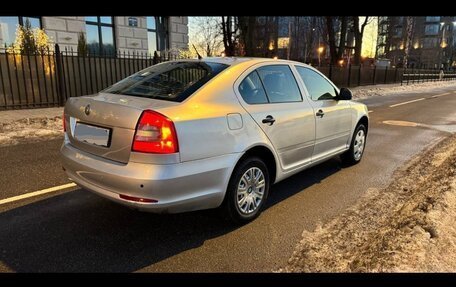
[
  {"x": 105, "y": 34},
  {"x": 432, "y": 41}
]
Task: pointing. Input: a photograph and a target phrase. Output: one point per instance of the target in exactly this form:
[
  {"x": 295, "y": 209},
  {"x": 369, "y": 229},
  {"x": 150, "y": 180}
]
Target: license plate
[{"x": 92, "y": 134}]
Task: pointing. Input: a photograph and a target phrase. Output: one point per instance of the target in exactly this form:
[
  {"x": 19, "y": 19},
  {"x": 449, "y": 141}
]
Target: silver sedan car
[{"x": 218, "y": 132}]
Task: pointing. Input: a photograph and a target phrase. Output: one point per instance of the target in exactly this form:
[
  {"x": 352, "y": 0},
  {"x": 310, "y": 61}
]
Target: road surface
[{"x": 73, "y": 230}]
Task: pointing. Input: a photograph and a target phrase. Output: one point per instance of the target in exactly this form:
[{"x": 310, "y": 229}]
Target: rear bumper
[{"x": 187, "y": 186}]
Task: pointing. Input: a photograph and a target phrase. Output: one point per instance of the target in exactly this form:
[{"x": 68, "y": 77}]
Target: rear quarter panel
[{"x": 202, "y": 120}]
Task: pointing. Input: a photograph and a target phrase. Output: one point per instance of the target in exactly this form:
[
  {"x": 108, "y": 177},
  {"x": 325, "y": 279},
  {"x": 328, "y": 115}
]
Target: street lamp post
[
  {"x": 445, "y": 43},
  {"x": 320, "y": 50},
  {"x": 442, "y": 44}
]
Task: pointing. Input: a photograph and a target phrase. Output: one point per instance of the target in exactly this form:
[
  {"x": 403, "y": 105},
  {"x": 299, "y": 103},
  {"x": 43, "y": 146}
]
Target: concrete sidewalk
[{"x": 7, "y": 117}]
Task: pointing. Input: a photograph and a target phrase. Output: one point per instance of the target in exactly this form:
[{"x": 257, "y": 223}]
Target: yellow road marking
[{"x": 401, "y": 123}]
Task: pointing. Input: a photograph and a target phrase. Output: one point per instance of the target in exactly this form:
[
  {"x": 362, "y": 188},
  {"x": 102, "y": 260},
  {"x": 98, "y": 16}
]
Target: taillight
[
  {"x": 64, "y": 123},
  {"x": 155, "y": 133}
]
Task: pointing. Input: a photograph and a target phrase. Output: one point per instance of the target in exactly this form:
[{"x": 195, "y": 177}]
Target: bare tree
[
  {"x": 408, "y": 41},
  {"x": 248, "y": 29},
  {"x": 336, "y": 33},
  {"x": 230, "y": 29},
  {"x": 358, "y": 32},
  {"x": 205, "y": 35}
]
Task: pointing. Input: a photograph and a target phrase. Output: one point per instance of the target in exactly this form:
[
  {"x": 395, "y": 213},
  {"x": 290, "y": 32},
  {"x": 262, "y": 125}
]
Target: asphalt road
[{"x": 74, "y": 230}]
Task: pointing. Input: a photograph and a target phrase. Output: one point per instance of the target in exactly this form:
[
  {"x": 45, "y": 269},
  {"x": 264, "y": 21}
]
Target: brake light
[
  {"x": 155, "y": 133},
  {"x": 64, "y": 123}
]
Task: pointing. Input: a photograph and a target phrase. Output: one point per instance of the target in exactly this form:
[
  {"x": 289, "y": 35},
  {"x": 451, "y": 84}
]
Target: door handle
[
  {"x": 268, "y": 120},
  {"x": 320, "y": 113}
]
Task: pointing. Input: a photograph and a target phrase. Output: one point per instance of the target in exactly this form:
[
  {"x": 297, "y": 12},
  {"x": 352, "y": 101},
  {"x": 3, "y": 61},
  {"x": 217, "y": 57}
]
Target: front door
[{"x": 271, "y": 96}]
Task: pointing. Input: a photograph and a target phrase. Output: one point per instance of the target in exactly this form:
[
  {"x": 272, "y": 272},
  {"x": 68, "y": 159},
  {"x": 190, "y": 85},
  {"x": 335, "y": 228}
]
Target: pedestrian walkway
[{"x": 16, "y": 115}]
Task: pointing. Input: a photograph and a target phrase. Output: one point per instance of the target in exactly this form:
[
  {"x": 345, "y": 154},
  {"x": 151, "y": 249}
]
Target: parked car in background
[{"x": 218, "y": 132}]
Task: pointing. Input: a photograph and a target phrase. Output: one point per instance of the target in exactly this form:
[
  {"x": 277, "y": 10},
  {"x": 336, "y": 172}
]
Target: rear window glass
[
  {"x": 171, "y": 81},
  {"x": 252, "y": 90}
]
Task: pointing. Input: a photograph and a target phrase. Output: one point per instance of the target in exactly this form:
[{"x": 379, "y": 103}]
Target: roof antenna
[{"x": 199, "y": 56}]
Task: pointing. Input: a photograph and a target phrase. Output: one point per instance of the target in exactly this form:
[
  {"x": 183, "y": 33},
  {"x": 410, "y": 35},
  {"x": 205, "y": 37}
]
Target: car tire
[
  {"x": 357, "y": 146},
  {"x": 242, "y": 201}
]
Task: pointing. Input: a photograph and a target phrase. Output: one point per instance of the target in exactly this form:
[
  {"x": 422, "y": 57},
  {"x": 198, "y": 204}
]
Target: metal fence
[
  {"x": 352, "y": 76},
  {"x": 48, "y": 79}
]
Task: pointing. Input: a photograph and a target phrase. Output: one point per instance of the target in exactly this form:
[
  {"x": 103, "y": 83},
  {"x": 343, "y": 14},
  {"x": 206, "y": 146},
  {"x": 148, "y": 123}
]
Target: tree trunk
[
  {"x": 343, "y": 34},
  {"x": 227, "y": 30},
  {"x": 358, "y": 32},
  {"x": 408, "y": 40},
  {"x": 331, "y": 39}
]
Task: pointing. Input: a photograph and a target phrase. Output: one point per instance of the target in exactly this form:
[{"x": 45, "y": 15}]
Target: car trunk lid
[{"x": 104, "y": 125}]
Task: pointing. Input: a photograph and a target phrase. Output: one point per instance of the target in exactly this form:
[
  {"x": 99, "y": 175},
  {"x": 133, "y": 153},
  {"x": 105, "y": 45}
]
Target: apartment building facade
[
  {"x": 430, "y": 40},
  {"x": 105, "y": 34}
]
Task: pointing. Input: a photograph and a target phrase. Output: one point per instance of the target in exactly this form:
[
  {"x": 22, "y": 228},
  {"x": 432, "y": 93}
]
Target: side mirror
[{"x": 344, "y": 95}]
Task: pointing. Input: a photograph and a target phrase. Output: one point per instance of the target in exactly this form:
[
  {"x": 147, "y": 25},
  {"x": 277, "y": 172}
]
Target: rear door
[
  {"x": 332, "y": 117},
  {"x": 271, "y": 96}
]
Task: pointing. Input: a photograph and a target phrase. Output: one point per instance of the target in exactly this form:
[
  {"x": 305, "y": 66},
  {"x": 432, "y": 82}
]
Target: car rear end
[{"x": 122, "y": 145}]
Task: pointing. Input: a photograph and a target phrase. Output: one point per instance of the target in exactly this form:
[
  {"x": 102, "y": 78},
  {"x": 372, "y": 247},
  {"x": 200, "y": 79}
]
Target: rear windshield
[{"x": 171, "y": 81}]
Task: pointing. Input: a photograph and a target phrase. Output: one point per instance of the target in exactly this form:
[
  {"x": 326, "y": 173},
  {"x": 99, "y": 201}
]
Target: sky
[{"x": 369, "y": 38}]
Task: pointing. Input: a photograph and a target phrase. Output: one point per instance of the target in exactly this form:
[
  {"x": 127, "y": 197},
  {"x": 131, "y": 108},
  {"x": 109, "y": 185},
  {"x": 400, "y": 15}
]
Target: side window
[
  {"x": 317, "y": 86},
  {"x": 252, "y": 90},
  {"x": 280, "y": 84}
]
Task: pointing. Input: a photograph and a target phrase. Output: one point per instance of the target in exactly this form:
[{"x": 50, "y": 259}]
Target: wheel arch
[
  {"x": 365, "y": 121},
  {"x": 266, "y": 155}
]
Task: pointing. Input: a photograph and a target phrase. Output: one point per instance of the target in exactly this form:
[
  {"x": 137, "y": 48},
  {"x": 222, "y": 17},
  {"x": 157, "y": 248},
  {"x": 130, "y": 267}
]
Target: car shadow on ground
[{"x": 81, "y": 232}]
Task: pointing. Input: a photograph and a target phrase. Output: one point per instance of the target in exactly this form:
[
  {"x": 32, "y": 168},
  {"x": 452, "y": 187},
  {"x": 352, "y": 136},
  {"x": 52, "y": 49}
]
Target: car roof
[{"x": 232, "y": 61}]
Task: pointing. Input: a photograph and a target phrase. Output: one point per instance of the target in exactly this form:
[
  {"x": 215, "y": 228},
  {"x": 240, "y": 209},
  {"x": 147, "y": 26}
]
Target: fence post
[
  {"x": 359, "y": 76},
  {"x": 373, "y": 75},
  {"x": 395, "y": 75},
  {"x": 330, "y": 71},
  {"x": 386, "y": 74},
  {"x": 349, "y": 75},
  {"x": 408, "y": 76},
  {"x": 59, "y": 74}
]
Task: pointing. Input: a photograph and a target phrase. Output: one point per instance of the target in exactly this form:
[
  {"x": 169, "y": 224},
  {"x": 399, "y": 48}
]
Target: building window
[
  {"x": 430, "y": 42},
  {"x": 8, "y": 26},
  {"x": 432, "y": 18},
  {"x": 431, "y": 29},
  {"x": 157, "y": 33},
  {"x": 398, "y": 32},
  {"x": 100, "y": 35}
]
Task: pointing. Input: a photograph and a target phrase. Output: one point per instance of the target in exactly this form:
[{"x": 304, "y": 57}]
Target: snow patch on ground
[
  {"x": 407, "y": 227},
  {"x": 27, "y": 130},
  {"x": 382, "y": 90}
]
